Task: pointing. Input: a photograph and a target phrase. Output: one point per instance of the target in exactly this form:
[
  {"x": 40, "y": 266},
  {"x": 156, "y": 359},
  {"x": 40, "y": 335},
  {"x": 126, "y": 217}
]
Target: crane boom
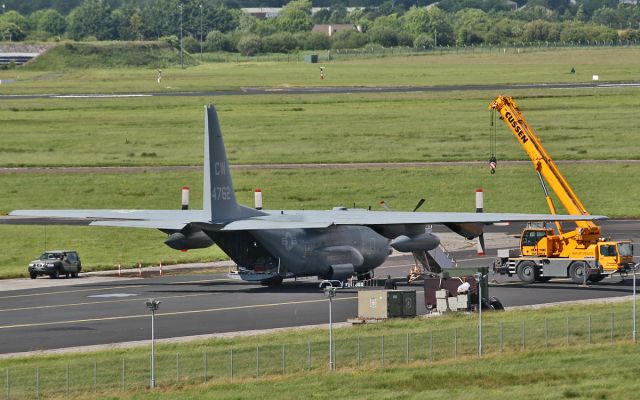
[
  {"x": 542, "y": 162},
  {"x": 581, "y": 254}
]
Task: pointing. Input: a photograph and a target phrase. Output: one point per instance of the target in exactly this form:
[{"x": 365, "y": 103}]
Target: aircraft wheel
[
  {"x": 577, "y": 271},
  {"x": 527, "y": 271}
]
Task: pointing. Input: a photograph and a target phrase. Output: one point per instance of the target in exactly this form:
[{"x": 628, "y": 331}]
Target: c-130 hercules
[{"x": 270, "y": 245}]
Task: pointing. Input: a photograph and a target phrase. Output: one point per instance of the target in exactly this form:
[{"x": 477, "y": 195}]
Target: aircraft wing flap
[
  {"x": 401, "y": 218},
  {"x": 257, "y": 224},
  {"x": 169, "y": 225}
]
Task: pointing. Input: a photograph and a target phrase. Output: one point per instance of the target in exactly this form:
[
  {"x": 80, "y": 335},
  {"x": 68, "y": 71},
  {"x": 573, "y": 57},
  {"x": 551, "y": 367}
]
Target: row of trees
[{"x": 229, "y": 29}]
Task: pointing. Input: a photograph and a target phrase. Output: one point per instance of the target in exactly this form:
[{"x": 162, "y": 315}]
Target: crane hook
[{"x": 493, "y": 164}]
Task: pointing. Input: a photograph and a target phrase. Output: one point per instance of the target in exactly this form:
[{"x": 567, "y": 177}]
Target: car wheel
[
  {"x": 577, "y": 271},
  {"x": 74, "y": 274},
  {"x": 55, "y": 274},
  {"x": 527, "y": 271},
  {"x": 33, "y": 276}
]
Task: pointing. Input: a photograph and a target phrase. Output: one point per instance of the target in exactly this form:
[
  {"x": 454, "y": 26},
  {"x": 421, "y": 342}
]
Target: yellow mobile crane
[{"x": 581, "y": 254}]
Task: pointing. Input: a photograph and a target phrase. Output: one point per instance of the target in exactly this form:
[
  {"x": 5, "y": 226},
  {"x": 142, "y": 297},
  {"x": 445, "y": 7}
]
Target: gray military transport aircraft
[{"x": 269, "y": 245}]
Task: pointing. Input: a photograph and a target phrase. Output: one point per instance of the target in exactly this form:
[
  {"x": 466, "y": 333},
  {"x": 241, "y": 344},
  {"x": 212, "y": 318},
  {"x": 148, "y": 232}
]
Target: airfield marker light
[
  {"x": 185, "y": 197},
  {"x": 139, "y": 269},
  {"x": 153, "y": 305},
  {"x": 119, "y": 270},
  {"x": 258, "y": 199},
  {"x": 160, "y": 268}
]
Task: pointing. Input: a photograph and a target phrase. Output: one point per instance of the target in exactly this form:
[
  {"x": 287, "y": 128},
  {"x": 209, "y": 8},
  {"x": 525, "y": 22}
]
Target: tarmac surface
[
  {"x": 95, "y": 309},
  {"x": 329, "y": 89}
]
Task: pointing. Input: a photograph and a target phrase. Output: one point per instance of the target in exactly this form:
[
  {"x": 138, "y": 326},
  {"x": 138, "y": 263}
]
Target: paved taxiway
[
  {"x": 111, "y": 311},
  {"x": 330, "y": 90}
]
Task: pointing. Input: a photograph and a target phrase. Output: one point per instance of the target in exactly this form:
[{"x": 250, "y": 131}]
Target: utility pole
[
  {"x": 181, "y": 49},
  {"x": 200, "y": 31}
]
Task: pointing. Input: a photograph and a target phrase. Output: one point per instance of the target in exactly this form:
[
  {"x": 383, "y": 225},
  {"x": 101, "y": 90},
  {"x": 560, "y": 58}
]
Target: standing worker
[
  {"x": 159, "y": 76},
  {"x": 321, "y": 73},
  {"x": 390, "y": 284}
]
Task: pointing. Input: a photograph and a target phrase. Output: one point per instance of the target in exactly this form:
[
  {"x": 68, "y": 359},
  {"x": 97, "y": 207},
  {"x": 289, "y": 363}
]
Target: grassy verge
[
  {"x": 433, "y": 69},
  {"x": 514, "y": 188},
  {"x": 573, "y": 124},
  {"x": 565, "y": 348}
]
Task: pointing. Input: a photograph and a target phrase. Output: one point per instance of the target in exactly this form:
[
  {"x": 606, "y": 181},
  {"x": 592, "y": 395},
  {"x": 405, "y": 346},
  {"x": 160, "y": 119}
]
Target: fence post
[
  {"x": 231, "y": 364},
  {"x": 589, "y": 328},
  {"x": 177, "y": 368},
  {"x": 67, "y": 380},
  {"x": 8, "y": 385},
  {"x": 455, "y": 342},
  {"x": 257, "y": 361},
  {"x": 205, "y": 366},
  {"x": 546, "y": 333},
  {"x": 123, "y": 375},
  {"x": 407, "y": 349},
  {"x": 501, "y": 336},
  {"x": 382, "y": 350},
  {"x": 284, "y": 364},
  {"x": 430, "y": 346},
  {"x": 567, "y": 331},
  {"x": 524, "y": 335},
  {"x": 37, "y": 382},
  {"x": 358, "y": 353},
  {"x": 612, "y": 325},
  {"x": 309, "y": 355}
]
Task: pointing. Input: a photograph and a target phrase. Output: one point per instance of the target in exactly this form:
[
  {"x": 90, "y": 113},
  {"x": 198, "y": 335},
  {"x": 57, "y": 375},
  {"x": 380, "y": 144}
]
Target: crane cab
[
  {"x": 614, "y": 256},
  {"x": 536, "y": 242}
]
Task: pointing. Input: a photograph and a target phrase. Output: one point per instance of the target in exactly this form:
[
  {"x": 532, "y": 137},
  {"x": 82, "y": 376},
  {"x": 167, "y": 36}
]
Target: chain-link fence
[
  {"x": 378, "y": 51},
  {"x": 75, "y": 378}
]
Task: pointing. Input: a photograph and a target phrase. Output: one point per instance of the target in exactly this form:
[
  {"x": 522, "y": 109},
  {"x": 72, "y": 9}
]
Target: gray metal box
[{"x": 380, "y": 304}]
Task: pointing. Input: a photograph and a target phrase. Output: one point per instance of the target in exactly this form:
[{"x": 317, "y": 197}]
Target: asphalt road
[
  {"x": 60, "y": 316},
  {"x": 330, "y": 89}
]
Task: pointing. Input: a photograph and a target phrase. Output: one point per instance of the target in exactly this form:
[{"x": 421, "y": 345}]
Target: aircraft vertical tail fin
[{"x": 219, "y": 202}]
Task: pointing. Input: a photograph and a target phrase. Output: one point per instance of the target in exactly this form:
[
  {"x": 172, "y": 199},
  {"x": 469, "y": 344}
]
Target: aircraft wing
[
  {"x": 286, "y": 219},
  {"x": 159, "y": 219}
]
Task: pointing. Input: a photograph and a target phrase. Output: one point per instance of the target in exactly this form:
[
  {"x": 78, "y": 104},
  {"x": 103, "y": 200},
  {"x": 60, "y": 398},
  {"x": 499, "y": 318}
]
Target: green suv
[{"x": 55, "y": 263}]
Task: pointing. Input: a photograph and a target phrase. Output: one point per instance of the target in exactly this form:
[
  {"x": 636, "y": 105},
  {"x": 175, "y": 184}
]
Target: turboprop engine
[
  {"x": 422, "y": 242},
  {"x": 196, "y": 239}
]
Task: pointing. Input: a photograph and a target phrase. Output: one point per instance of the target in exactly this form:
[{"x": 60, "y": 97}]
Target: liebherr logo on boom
[{"x": 523, "y": 137}]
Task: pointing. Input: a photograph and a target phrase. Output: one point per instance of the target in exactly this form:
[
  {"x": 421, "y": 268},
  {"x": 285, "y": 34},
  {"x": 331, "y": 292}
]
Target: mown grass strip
[
  {"x": 410, "y": 345},
  {"x": 451, "y": 126},
  {"x": 486, "y": 67}
]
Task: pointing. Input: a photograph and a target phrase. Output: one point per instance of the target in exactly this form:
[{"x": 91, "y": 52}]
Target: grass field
[
  {"x": 574, "y": 124},
  {"x": 574, "y": 351},
  {"x": 446, "y": 188},
  {"x": 432, "y": 70}
]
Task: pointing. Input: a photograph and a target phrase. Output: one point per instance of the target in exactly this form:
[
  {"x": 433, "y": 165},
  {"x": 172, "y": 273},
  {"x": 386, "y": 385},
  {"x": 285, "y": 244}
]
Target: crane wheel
[
  {"x": 577, "y": 271},
  {"x": 527, "y": 271}
]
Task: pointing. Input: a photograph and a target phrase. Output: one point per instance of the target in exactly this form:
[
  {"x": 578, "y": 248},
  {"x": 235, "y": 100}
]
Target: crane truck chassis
[{"x": 581, "y": 254}]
